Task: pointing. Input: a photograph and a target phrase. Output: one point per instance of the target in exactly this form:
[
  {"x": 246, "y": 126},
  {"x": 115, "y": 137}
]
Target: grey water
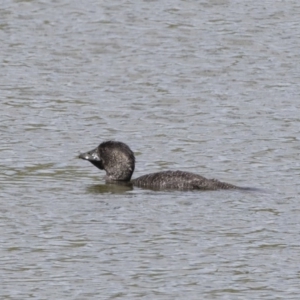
[{"x": 210, "y": 87}]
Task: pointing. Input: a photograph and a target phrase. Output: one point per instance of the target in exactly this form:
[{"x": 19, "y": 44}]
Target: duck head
[{"x": 116, "y": 158}]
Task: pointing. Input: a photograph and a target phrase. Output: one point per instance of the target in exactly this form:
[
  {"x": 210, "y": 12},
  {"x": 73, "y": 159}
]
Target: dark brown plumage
[{"x": 117, "y": 159}]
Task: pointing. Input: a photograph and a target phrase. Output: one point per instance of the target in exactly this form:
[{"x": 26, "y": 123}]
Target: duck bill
[{"x": 92, "y": 156}]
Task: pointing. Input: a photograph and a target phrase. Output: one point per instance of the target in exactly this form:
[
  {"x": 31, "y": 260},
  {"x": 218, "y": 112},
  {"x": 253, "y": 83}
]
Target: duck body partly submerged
[
  {"x": 179, "y": 180},
  {"x": 118, "y": 160}
]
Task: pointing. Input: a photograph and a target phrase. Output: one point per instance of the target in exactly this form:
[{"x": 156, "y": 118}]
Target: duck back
[{"x": 179, "y": 180}]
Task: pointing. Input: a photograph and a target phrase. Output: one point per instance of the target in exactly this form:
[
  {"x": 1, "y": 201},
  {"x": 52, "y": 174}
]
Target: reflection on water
[
  {"x": 210, "y": 87},
  {"x": 109, "y": 188}
]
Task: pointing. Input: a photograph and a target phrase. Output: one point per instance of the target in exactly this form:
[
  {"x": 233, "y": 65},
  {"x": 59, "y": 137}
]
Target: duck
[{"x": 118, "y": 161}]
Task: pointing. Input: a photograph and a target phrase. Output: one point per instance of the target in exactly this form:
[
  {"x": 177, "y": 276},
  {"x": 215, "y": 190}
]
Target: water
[{"x": 210, "y": 87}]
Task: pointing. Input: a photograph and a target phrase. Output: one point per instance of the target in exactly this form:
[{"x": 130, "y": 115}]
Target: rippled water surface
[{"x": 210, "y": 87}]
